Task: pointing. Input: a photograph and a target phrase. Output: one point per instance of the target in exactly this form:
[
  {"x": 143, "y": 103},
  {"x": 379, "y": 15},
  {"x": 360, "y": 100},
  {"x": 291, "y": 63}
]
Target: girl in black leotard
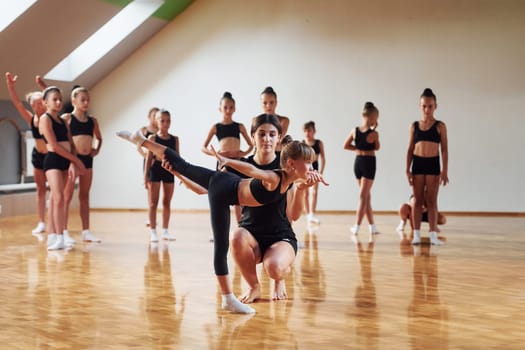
[
  {"x": 228, "y": 133},
  {"x": 364, "y": 140},
  {"x": 427, "y": 137},
  {"x": 39, "y": 151},
  {"x": 155, "y": 175},
  {"x": 57, "y": 161},
  {"x": 318, "y": 147},
  {"x": 225, "y": 188}
]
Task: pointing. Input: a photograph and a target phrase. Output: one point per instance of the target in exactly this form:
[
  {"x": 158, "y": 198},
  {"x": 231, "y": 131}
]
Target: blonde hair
[
  {"x": 32, "y": 96},
  {"x": 295, "y": 150},
  {"x": 78, "y": 90}
]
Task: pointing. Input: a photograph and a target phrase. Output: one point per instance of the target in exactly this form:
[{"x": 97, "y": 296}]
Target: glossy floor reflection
[{"x": 127, "y": 293}]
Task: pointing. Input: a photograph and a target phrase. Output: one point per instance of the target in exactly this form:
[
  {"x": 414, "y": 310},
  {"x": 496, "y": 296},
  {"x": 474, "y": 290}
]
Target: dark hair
[
  {"x": 49, "y": 90},
  {"x": 162, "y": 111},
  {"x": 228, "y": 95},
  {"x": 266, "y": 119},
  {"x": 429, "y": 93},
  {"x": 295, "y": 150},
  {"x": 369, "y": 109},
  {"x": 270, "y": 91},
  {"x": 309, "y": 125}
]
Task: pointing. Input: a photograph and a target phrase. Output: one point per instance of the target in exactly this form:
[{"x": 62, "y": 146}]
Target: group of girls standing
[
  {"x": 425, "y": 170},
  {"x": 65, "y": 145}
]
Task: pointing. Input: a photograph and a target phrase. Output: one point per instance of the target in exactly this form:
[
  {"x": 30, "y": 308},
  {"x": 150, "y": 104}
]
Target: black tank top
[
  {"x": 81, "y": 128},
  {"x": 59, "y": 129},
  {"x": 171, "y": 142},
  {"x": 269, "y": 218},
  {"x": 148, "y": 133},
  {"x": 262, "y": 195},
  {"x": 34, "y": 130},
  {"x": 431, "y": 135},
  {"x": 227, "y": 130},
  {"x": 360, "y": 140},
  {"x": 316, "y": 147}
]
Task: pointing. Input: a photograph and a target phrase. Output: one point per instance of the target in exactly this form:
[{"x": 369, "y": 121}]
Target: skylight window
[
  {"x": 104, "y": 39},
  {"x": 10, "y": 11}
]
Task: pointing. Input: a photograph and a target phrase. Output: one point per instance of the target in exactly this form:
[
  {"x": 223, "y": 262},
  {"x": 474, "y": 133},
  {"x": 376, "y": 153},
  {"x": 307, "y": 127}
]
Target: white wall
[{"x": 325, "y": 59}]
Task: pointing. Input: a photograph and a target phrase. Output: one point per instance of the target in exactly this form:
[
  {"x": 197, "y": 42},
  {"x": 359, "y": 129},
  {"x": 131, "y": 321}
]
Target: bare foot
[
  {"x": 251, "y": 294},
  {"x": 279, "y": 291}
]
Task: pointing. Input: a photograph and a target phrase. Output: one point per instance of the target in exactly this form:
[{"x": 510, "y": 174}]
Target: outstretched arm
[
  {"x": 11, "y": 80},
  {"x": 40, "y": 82},
  {"x": 247, "y": 169}
]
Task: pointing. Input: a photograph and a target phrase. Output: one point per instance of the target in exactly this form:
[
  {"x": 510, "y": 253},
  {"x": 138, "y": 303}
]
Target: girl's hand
[
  {"x": 443, "y": 178},
  {"x": 166, "y": 164},
  {"x": 10, "y": 78},
  {"x": 410, "y": 178},
  {"x": 72, "y": 172},
  {"x": 312, "y": 178},
  {"x": 220, "y": 159},
  {"x": 94, "y": 152},
  {"x": 81, "y": 169}
]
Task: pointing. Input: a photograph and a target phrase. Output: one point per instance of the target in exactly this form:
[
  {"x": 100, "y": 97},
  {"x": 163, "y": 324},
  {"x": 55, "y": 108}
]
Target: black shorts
[
  {"x": 52, "y": 160},
  {"x": 425, "y": 165},
  {"x": 315, "y": 165},
  {"x": 87, "y": 160},
  {"x": 267, "y": 240},
  {"x": 365, "y": 166},
  {"x": 158, "y": 174},
  {"x": 37, "y": 159}
]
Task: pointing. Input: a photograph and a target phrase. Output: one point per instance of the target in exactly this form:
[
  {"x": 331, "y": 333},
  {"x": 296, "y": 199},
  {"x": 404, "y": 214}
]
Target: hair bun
[
  {"x": 227, "y": 94},
  {"x": 428, "y": 91},
  {"x": 286, "y": 140},
  {"x": 268, "y": 90},
  {"x": 369, "y": 104}
]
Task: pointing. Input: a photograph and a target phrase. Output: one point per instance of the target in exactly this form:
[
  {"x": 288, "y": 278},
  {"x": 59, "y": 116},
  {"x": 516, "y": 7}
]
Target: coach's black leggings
[{"x": 222, "y": 192}]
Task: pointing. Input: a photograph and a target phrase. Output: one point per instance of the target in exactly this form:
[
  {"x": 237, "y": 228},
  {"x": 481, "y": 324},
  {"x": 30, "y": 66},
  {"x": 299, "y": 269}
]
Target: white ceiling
[{"x": 47, "y": 32}]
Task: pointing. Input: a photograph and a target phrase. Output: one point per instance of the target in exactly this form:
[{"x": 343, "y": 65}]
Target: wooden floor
[{"x": 125, "y": 293}]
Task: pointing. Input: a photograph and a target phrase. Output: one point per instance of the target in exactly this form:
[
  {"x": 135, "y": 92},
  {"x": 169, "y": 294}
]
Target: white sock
[
  {"x": 136, "y": 137},
  {"x": 355, "y": 229},
  {"x": 417, "y": 237},
  {"x": 230, "y": 303},
  {"x": 40, "y": 227},
  {"x": 434, "y": 239},
  {"x": 372, "y": 228},
  {"x": 165, "y": 231}
]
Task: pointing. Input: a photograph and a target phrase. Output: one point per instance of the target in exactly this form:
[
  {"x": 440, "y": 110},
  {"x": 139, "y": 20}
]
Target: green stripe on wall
[{"x": 167, "y": 12}]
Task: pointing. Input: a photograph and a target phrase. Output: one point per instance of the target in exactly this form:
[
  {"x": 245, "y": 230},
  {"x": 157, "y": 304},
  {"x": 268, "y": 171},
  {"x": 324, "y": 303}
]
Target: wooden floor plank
[{"x": 125, "y": 293}]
